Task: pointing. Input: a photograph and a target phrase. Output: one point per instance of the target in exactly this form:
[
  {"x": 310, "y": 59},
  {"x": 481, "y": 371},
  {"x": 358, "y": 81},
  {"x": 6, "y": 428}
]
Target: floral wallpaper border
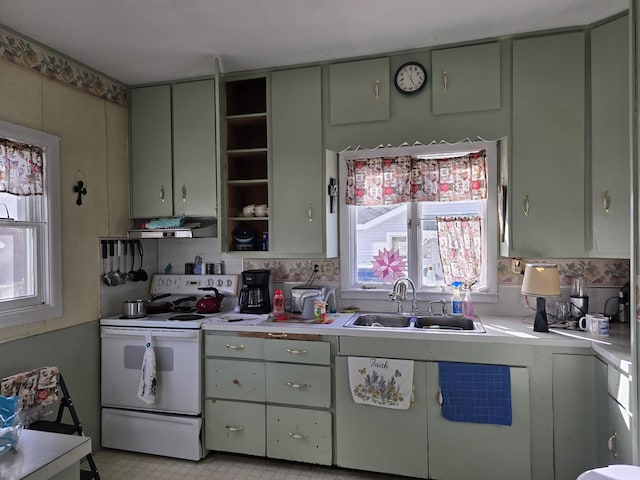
[
  {"x": 27, "y": 53},
  {"x": 598, "y": 272}
]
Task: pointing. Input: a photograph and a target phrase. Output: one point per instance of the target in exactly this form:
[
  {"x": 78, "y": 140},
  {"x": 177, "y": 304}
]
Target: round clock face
[{"x": 411, "y": 78}]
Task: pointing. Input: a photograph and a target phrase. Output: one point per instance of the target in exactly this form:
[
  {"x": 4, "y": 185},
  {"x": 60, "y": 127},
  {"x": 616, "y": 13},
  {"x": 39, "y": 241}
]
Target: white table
[{"x": 45, "y": 456}]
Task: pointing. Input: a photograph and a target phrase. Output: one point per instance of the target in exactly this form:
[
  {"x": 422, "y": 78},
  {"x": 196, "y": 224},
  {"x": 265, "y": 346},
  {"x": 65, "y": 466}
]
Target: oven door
[{"x": 178, "y": 369}]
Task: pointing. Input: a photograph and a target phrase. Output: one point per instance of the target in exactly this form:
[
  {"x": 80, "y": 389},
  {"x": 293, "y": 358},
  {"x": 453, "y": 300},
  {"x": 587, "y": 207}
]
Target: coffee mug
[
  {"x": 261, "y": 210},
  {"x": 589, "y": 323},
  {"x": 249, "y": 210}
]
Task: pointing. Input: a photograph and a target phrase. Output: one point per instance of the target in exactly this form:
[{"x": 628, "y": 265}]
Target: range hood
[{"x": 189, "y": 229}]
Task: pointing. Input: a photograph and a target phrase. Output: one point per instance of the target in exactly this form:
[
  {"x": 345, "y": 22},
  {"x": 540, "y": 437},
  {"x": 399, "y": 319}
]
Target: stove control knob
[
  {"x": 219, "y": 283},
  {"x": 229, "y": 282}
]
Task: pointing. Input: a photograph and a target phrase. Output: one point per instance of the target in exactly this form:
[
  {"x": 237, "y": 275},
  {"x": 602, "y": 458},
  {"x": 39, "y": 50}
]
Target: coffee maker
[{"x": 254, "y": 296}]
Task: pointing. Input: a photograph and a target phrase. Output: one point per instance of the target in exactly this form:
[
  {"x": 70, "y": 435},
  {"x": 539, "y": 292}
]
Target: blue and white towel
[
  {"x": 476, "y": 393},
  {"x": 381, "y": 382},
  {"x": 148, "y": 381}
]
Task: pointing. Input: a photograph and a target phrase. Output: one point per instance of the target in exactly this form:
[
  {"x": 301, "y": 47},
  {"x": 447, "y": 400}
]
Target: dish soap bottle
[
  {"x": 278, "y": 306},
  {"x": 457, "y": 304},
  {"x": 431, "y": 277},
  {"x": 468, "y": 305}
]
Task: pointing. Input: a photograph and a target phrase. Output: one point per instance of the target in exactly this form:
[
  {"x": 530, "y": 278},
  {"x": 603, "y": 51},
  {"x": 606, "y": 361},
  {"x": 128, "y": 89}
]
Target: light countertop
[{"x": 614, "y": 349}]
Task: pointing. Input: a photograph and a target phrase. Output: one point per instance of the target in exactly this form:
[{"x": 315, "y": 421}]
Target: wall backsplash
[{"x": 598, "y": 272}]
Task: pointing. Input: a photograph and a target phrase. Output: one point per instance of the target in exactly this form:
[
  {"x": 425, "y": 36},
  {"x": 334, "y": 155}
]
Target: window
[
  {"x": 380, "y": 243},
  {"x": 29, "y": 226}
]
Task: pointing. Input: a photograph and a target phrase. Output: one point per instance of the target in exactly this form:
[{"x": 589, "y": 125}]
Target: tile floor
[{"x": 118, "y": 465}]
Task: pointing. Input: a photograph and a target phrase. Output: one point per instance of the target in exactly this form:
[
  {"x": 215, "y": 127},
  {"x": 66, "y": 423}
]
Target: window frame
[
  {"x": 348, "y": 258},
  {"x": 47, "y": 304}
]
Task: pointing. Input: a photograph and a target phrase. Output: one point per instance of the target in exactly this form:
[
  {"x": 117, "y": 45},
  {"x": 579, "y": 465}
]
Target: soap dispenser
[{"x": 457, "y": 304}]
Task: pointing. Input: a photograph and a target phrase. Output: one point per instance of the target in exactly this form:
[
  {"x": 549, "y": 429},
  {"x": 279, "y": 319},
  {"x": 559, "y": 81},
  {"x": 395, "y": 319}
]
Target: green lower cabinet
[
  {"x": 299, "y": 434},
  {"x": 381, "y": 439},
  {"x": 235, "y": 427},
  {"x": 619, "y": 443},
  {"x": 491, "y": 452}
]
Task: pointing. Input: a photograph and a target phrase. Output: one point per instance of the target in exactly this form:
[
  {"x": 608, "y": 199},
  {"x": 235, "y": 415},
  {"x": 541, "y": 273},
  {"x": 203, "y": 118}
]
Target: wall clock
[{"x": 411, "y": 78}]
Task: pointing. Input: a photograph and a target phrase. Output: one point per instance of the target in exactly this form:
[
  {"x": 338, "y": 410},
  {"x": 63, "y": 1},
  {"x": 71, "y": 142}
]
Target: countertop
[
  {"x": 614, "y": 348},
  {"x": 43, "y": 455}
]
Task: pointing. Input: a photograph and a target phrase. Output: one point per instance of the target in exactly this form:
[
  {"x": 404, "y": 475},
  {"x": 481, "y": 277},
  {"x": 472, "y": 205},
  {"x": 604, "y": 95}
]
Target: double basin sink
[{"x": 417, "y": 322}]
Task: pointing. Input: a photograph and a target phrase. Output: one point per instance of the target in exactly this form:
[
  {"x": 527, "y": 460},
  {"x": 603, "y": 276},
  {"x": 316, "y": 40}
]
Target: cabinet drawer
[
  {"x": 298, "y": 384},
  {"x": 232, "y": 346},
  {"x": 298, "y": 351},
  {"x": 235, "y": 427},
  {"x": 298, "y": 434},
  {"x": 619, "y": 386},
  {"x": 234, "y": 379}
]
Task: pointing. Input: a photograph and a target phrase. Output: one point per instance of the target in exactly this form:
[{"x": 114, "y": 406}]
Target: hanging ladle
[
  {"x": 131, "y": 274},
  {"x": 113, "y": 275},
  {"x": 106, "y": 279},
  {"x": 141, "y": 275}
]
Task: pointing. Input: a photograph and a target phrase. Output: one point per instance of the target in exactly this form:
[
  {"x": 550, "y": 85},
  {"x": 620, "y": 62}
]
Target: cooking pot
[
  {"x": 209, "y": 303},
  {"x": 134, "y": 309}
]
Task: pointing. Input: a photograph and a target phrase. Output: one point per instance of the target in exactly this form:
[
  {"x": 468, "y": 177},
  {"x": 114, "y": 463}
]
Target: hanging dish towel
[
  {"x": 381, "y": 382},
  {"x": 475, "y": 393},
  {"x": 148, "y": 380}
]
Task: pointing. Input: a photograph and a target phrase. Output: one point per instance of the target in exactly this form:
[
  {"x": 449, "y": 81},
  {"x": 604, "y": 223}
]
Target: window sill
[{"x": 422, "y": 296}]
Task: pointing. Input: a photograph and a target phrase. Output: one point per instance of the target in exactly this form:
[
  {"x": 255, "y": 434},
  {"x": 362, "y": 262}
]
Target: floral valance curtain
[
  {"x": 392, "y": 180},
  {"x": 460, "y": 245},
  {"x": 21, "y": 167}
]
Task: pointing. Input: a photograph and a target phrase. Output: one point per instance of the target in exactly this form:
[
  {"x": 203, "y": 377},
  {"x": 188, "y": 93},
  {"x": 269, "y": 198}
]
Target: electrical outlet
[{"x": 517, "y": 266}]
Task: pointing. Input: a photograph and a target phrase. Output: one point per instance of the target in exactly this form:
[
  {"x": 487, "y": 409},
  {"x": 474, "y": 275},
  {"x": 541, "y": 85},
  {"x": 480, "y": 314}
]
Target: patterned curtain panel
[
  {"x": 21, "y": 168},
  {"x": 460, "y": 245},
  {"x": 387, "y": 181}
]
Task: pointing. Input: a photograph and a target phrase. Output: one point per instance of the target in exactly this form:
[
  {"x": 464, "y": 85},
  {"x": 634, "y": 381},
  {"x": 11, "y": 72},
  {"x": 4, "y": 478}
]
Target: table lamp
[{"x": 541, "y": 280}]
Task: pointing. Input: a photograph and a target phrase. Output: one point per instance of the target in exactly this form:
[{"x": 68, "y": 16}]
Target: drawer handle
[
  {"x": 298, "y": 436},
  {"x": 296, "y": 385},
  {"x": 184, "y": 193},
  {"x": 162, "y": 193},
  {"x": 376, "y": 89},
  {"x": 297, "y": 352},
  {"x": 234, "y": 347},
  {"x": 611, "y": 444},
  {"x": 234, "y": 429},
  {"x": 277, "y": 335},
  {"x": 525, "y": 202},
  {"x": 445, "y": 80}
]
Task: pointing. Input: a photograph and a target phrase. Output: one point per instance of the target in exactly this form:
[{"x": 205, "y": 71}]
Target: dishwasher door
[{"x": 178, "y": 369}]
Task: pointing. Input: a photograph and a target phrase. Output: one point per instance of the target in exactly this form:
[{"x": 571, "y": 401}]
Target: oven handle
[{"x": 158, "y": 333}]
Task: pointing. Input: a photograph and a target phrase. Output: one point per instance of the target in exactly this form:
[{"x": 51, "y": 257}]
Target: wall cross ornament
[{"x": 81, "y": 190}]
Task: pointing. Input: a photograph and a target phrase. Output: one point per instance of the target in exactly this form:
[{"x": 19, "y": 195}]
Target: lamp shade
[{"x": 541, "y": 280}]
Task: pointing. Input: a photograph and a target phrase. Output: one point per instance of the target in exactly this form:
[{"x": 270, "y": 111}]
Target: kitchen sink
[
  {"x": 416, "y": 323},
  {"x": 380, "y": 320}
]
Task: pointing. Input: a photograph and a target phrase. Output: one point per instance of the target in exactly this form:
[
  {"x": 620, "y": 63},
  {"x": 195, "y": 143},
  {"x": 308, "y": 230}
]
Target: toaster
[{"x": 299, "y": 293}]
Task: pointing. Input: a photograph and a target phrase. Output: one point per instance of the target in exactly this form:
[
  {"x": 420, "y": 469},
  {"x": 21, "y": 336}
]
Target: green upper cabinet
[
  {"x": 194, "y": 166},
  {"x": 466, "y": 79},
  {"x": 301, "y": 221},
  {"x": 151, "y": 176},
  {"x": 610, "y": 163},
  {"x": 548, "y": 156},
  {"x": 173, "y": 166},
  {"x": 359, "y": 91}
]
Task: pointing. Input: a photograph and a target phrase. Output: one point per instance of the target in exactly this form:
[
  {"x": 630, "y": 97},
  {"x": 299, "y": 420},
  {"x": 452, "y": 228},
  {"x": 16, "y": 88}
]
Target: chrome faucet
[
  {"x": 443, "y": 304},
  {"x": 399, "y": 293}
]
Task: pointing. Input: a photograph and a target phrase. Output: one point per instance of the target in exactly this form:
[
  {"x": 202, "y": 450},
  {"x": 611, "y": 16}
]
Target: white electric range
[{"x": 172, "y": 424}]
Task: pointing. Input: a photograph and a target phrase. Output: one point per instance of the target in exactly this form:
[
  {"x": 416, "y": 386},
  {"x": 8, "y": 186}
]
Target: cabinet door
[
  {"x": 610, "y": 162},
  {"x": 495, "y": 451},
  {"x": 151, "y": 152},
  {"x": 579, "y": 398},
  {"x": 466, "y": 79},
  {"x": 300, "y": 220},
  {"x": 235, "y": 379},
  {"x": 359, "y": 91},
  {"x": 194, "y": 162},
  {"x": 619, "y": 440},
  {"x": 382, "y": 439},
  {"x": 548, "y": 159}
]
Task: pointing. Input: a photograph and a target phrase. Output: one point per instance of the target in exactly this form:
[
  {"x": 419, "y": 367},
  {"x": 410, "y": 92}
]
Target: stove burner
[
  {"x": 124, "y": 317},
  {"x": 187, "y": 316}
]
